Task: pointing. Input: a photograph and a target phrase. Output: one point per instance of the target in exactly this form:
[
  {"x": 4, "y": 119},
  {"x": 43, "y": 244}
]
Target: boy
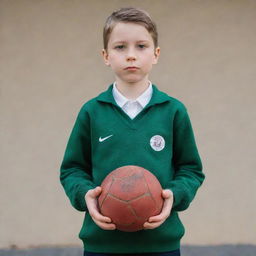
[{"x": 132, "y": 123}]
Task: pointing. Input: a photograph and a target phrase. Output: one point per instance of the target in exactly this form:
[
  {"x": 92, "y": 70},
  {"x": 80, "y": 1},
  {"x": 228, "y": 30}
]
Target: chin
[{"x": 132, "y": 80}]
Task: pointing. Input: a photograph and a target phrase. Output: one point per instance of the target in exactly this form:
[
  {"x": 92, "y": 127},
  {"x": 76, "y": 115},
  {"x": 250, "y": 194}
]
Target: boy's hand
[
  {"x": 92, "y": 205},
  {"x": 156, "y": 221}
]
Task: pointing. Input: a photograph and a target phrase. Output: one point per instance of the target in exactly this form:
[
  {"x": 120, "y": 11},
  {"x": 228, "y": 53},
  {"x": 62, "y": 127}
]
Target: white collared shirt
[{"x": 132, "y": 107}]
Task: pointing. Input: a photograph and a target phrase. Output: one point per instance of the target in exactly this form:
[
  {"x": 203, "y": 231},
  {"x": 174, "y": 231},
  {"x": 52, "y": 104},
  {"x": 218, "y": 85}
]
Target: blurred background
[{"x": 50, "y": 61}]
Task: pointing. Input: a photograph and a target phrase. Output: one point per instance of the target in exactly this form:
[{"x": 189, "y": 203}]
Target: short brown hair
[{"x": 129, "y": 14}]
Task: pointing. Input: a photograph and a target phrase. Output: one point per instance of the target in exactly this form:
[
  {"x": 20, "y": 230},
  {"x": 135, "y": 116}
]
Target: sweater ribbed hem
[{"x": 121, "y": 249}]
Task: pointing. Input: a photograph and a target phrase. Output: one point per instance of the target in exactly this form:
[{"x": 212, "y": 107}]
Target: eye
[
  {"x": 141, "y": 46},
  {"x": 119, "y": 47}
]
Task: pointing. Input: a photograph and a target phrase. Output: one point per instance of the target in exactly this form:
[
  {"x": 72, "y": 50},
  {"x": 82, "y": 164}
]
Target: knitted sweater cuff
[
  {"x": 180, "y": 196},
  {"x": 80, "y": 202}
]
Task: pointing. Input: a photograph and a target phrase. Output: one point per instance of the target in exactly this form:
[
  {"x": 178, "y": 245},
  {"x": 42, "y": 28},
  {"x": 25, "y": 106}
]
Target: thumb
[
  {"x": 166, "y": 193},
  {"x": 97, "y": 191}
]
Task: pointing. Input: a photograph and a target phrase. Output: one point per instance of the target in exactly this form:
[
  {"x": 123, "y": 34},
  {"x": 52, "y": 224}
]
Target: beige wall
[{"x": 50, "y": 65}]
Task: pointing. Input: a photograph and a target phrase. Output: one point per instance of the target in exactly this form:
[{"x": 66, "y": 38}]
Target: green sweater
[{"x": 159, "y": 139}]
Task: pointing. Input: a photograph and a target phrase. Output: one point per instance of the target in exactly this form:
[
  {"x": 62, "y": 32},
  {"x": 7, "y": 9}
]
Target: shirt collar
[
  {"x": 158, "y": 97},
  {"x": 143, "y": 99},
  {"x": 119, "y": 98}
]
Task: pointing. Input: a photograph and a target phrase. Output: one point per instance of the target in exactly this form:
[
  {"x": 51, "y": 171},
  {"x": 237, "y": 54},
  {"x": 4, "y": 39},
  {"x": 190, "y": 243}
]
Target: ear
[
  {"x": 105, "y": 56},
  {"x": 157, "y": 54}
]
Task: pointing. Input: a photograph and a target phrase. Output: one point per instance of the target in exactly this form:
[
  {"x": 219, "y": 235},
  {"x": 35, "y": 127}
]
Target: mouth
[{"x": 132, "y": 68}]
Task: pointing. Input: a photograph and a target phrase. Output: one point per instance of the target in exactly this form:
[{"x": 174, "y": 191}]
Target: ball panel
[
  {"x": 119, "y": 211},
  {"x": 106, "y": 185},
  {"x": 129, "y": 187},
  {"x": 144, "y": 207},
  {"x": 125, "y": 171},
  {"x": 155, "y": 190}
]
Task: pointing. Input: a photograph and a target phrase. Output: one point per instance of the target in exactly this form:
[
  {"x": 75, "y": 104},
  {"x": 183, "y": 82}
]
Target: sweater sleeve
[
  {"x": 188, "y": 175},
  {"x": 75, "y": 171}
]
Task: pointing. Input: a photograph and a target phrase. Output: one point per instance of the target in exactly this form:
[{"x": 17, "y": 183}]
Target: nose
[{"x": 131, "y": 56}]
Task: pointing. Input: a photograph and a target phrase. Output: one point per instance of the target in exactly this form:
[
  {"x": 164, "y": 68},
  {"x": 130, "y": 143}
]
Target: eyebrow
[{"x": 123, "y": 42}]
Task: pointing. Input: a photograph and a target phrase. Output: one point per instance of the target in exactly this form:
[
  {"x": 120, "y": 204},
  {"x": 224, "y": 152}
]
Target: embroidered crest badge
[{"x": 157, "y": 142}]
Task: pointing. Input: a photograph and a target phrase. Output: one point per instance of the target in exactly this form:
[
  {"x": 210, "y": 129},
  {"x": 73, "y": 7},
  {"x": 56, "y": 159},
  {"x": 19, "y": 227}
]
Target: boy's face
[{"x": 130, "y": 53}]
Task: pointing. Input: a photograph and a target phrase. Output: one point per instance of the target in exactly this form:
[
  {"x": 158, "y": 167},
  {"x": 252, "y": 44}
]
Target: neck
[{"x": 132, "y": 90}]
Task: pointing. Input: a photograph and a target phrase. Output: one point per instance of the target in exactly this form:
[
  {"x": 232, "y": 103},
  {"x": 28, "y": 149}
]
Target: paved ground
[{"x": 224, "y": 250}]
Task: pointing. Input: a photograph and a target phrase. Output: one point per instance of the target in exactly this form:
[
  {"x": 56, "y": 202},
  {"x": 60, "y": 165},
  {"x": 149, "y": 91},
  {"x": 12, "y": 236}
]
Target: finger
[
  {"x": 99, "y": 217},
  {"x": 97, "y": 191},
  {"x": 164, "y": 213},
  {"x": 106, "y": 226},
  {"x": 94, "y": 192},
  {"x": 153, "y": 225},
  {"x": 157, "y": 218},
  {"x": 94, "y": 212}
]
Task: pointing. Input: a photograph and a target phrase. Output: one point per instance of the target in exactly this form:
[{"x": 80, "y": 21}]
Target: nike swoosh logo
[{"x": 105, "y": 138}]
